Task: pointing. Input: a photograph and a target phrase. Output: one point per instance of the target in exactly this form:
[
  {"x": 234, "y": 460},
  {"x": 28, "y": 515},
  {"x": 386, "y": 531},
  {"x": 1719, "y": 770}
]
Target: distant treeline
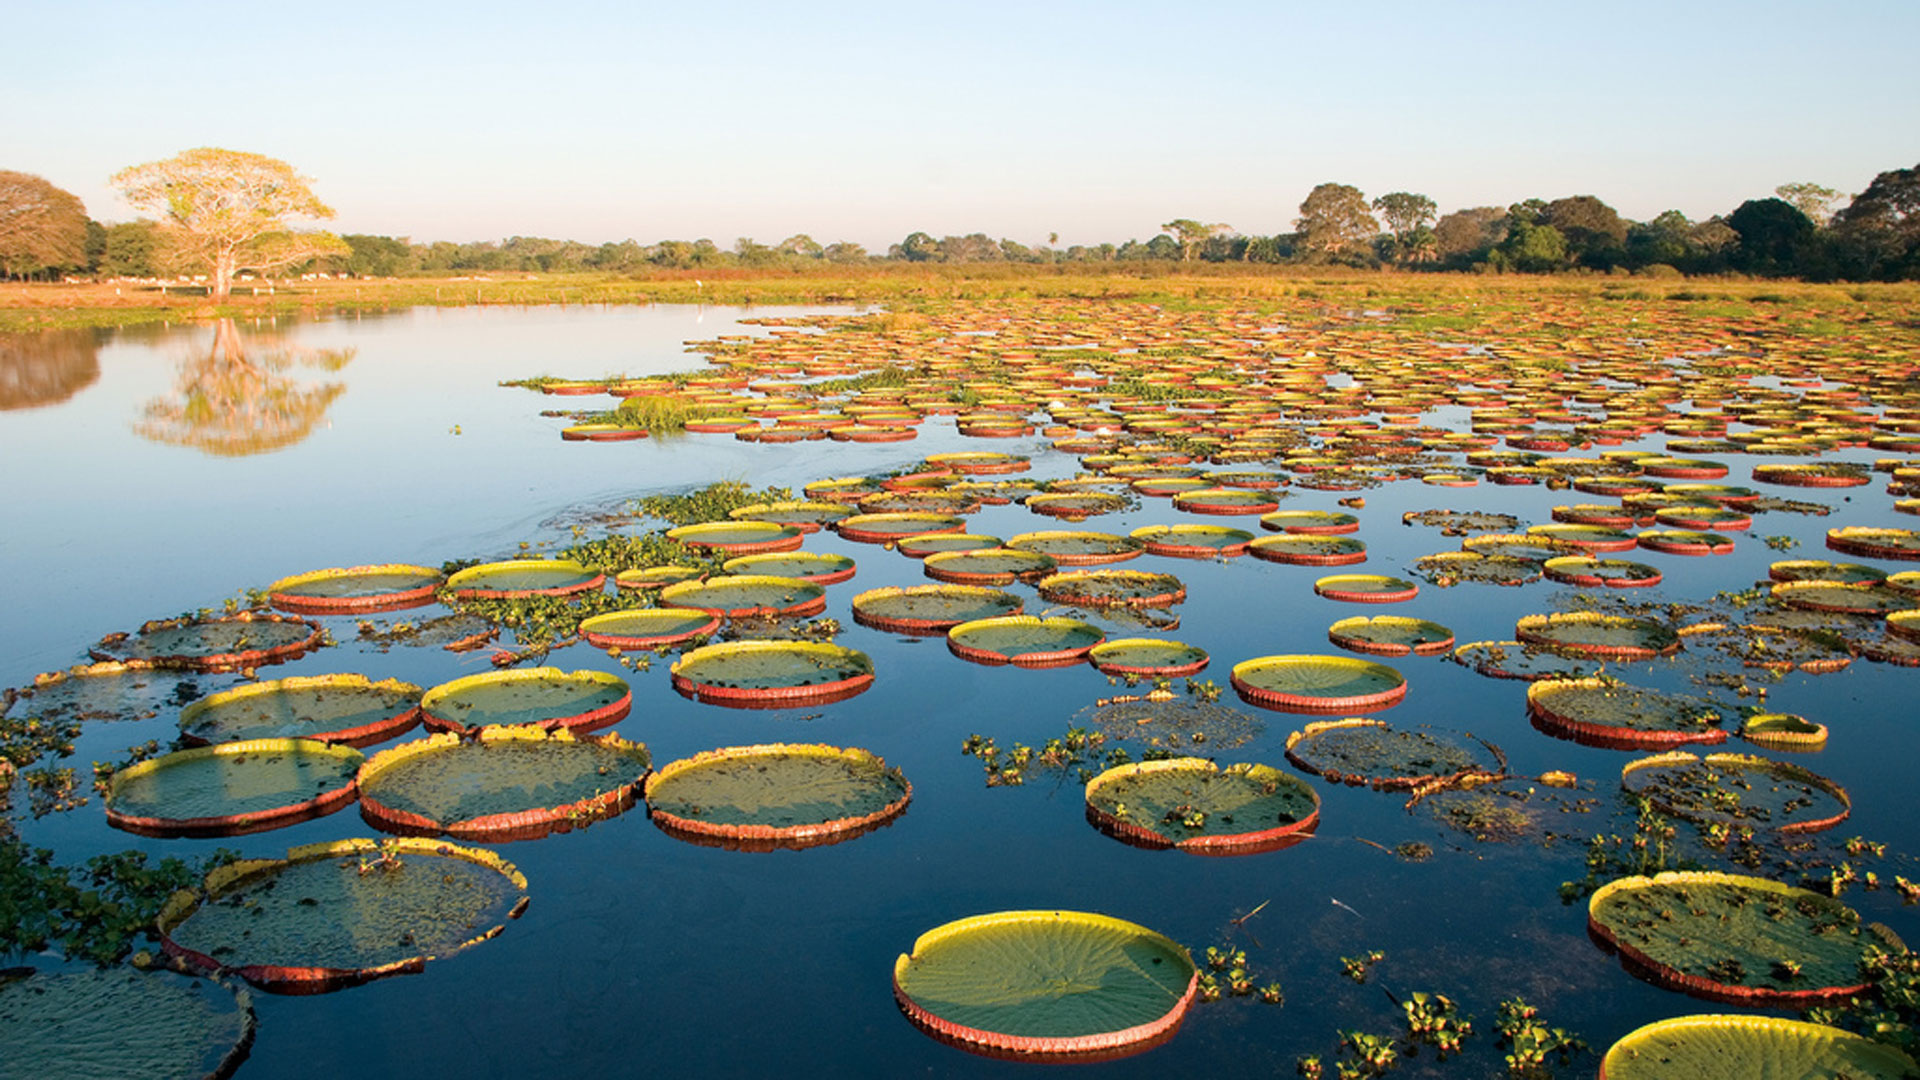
[{"x": 1802, "y": 231}]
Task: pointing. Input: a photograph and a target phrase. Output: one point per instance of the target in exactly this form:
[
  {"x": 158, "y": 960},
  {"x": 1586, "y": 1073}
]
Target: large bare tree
[{"x": 224, "y": 211}]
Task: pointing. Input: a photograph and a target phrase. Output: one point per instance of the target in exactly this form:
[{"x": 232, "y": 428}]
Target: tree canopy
[
  {"x": 225, "y": 211},
  {"x": 1334, "y": 220},
  {"x": 42, "y": 228}
]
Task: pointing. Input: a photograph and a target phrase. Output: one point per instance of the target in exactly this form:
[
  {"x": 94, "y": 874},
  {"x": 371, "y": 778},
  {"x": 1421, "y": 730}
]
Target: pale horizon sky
[{"x": 867, "y": 121}]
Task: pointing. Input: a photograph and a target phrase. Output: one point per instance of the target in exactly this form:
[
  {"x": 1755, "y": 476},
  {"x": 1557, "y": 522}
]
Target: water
[{"x": 640, "y": 952}]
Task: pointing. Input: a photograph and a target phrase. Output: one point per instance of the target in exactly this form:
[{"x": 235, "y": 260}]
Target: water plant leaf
[
  {"x": 505, "y": 783},
  {"x": 1195, "y": 805},
  {"x": 1111, "y": 588},
  {"x": 515, "y": 579},
  {"x": 1148, "y": 657},
  {"x": 119, "y": 1022},
  {"x": 225, "y": 643},
  {"x": 581, "y": 700},
  {"x": 780, "y": 795},
  {"x": 384, "y": 587},
  {"x": 1738, "y": 789},
  {"x": 1390, "y": 635},
  {"x": 1704, "y": 1047},
  {"x": 232, "y": 788},
  {"x": 1024, "y": 640},
  {"x": 348, "y": 709},
  {"x": 1605, "y": 712},
  {"x": 771, "y": 674},
  {"x": 1386, "y": 758},
  {"x": 1596, "y": 634},
  {"x": 1305, "y": 683},
  {"x": 740, "y": 595},
  {"x": 931, "y": 609}
]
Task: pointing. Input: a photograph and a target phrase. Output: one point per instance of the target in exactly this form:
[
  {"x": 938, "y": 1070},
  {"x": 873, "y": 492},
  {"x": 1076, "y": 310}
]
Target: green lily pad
[
  {"x": 1591, "y": 633},
  {"x": 1449, "y": 568},
  {"x": 103, "y": 1023},
  {"x": 506, "y": 783},
  {"x": 821, "y": 568},
  {"x": 771, "y": 673},
  {"x": 1604, "y": 712},
  {"x": 1318, "y": 684},
  {"x": 581, "y": 700},
  {"x": 1310, "y": 550},
  {"x": 232, "y": 788},
  {"x": 1738, "y": 789},
  {"x": 1390, "y": 635},
  {"x": 647, "y": 628},
  {"x": 517, "y": 578},
  {"x": 1195, "y": 805},
  {"x": 1518, "y": 660},
  {"x": 778, "y": 795},
  {"x": 1111, "y": 588},
  {"x": 387, "y": 587},
  {"x": 1024, "y": 640},
  {"x": 928, "y": 609},
  {"x": 1193, "y": 541},
  {"x": 1069, "y": 548},
  {"x": 919, "y": 547},
  {"x": 1148, "y": 656},
  {"x": 1708, "y": 1047},
  {"x": 737, "y": 595},
  {"x": 349, "y": 709},
  {"x": 1384, "y": 757},
  {"x": 227, "y": 643},
  {"x": 993, "y": 566}
]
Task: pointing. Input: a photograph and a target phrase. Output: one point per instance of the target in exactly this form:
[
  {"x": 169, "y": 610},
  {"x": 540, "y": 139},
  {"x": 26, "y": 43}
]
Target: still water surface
[{"x": 643, "y": 954}]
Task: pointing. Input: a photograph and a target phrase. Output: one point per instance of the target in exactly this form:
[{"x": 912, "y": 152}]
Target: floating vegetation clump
[
  {"x": 1731, "y": 938},
  {"x": 1195, "y": 805},
  {"x": 1518, "y": 660},
  {"x": 336, "y": 914},
  {"x": 107, "y": 1022},
  {"x": 1046, "y": 985},
  {"x": 1461, "y": 522},
  {"x": 505, "y": 783},
  {"x": 776, "y": 796},
  {"x": 1707, "y": 1046},
  {"x": 1449, "y": 568},
  {"x": 349, "y": 709},
  {"x": 1738, "y": 789}
]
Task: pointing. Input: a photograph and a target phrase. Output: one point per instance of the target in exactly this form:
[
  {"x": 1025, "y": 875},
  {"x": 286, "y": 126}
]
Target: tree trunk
[{"x": 222, "y": 275}]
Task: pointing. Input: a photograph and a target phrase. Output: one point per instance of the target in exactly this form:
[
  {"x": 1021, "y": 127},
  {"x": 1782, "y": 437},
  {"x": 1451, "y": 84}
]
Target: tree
[
  {"x": 1595, "y": 233},
  {"x": 845, "y": 251},
  {"x": 1811, "y": 199},
  {"x": 1532, "y": 249},
  {"x": 801, "y": 245},
  {"x": 1773, "y": 235},
  {"x": 376, "y": 256},
  {"x": 223, "y": 211},
  {"x": 1407, "y": 216},
  {"x": 1879, "y": 231},
  {"x": 919, "y": 247},
  {"x": 1334, "y": 220},
  {"x": 1191, "y": 234},
  {"x": 1465, "y": 236},
  {"x": 42, "y": 228},
  {"x": 237, "y": 397}
]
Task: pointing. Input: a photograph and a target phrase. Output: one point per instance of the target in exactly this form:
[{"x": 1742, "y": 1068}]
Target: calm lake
[{"x": 391, "y": 442}]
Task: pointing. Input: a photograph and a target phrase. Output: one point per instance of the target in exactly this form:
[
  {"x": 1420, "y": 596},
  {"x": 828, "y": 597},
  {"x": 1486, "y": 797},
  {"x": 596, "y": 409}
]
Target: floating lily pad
[
  {"x": 607, "y": 432},
  {"x": 1592, "y": 633},
  {"x": 386, "y": 587},
  {"x": 919, "y": 547},
  {"x": 101, "y": 1023},
  {"x": 931, "y": 609},
  {"x": 739, "y": 537},
  {"x": 1075, "y": 505},
  {"x": 1047, "y": 985},
  {"x": 580, "y": 700},
  {"x": 1024, "y": 640},
  {"x": 805, "y": 516},
  {"x": 819, "y": 568},
  {"x": 1366, "y": 588},
  {"x": 1518, "y": 660},
  {"x": 1684, "y": 542},
  {"x": 740, "y": 595},
  {"x": 776, "y": 796},
  {"x": 1851, "y": 598},
  {"x": 1824, "y": 570},
  {"x": 772, "y": 674},
  {"x": 1449, "y": 568},
  {"x": 1783, "y": 731},
  {"x": 1590, "y": 538},
  {"x": 1148, "y": 657},
  {"x": 1738, "y": 789},
  {"x": 1731, "y": 938},
  {"x": 521, "y": 578},
  {"x": 348, "y": 709},
  {"x": 1603, "y": 712},
  {"x": 1318, "y": 684},
  {"x": 1226, "y": 501},
  {"x": 1069, "y": 548},
  {"x": 1195, "y": 805},
  {"x": 227, "y": 643},
  {"x": 1310, "y": 550},
  {"x": 1536, "y": 549},
  {"x": 1462, "y": 521},
  {"x": 1588, "y": 571},
  {"x": 1111, "y": 588},
  {"x": 233, "y": 788},
  {"x": 1193, "y": 541},
  {"x": 1717, "y": 518},
  {"x": 888, "y": 528},
  {"x": 980, "y": 462},
  {"x": 506, "y": 783},
  {"x": 993, "y": 566},
  {"x": 1390, "y": 635},
  {"x": 1813, "y": 474},
  {"x": 1706, "y": 1047},
  {"x": 1384, "y": 757},
  {"x": 647, "y": 628},
  {"x": 1310, "y": 522},
  {"x": 336, "y": 914}
]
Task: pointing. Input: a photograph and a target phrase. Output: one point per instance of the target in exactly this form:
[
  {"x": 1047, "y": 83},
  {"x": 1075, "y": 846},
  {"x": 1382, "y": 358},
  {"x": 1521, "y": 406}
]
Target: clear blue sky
[{"x": 866, "y": 121}]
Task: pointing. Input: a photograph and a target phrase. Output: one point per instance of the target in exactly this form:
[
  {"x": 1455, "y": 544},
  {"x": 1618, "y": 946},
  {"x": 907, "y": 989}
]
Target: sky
[{"x": 1097, "y": 121}]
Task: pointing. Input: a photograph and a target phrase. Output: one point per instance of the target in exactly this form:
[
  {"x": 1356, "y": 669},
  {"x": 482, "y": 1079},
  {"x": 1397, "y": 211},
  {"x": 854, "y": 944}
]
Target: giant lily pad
[
  {"x": 337, "y": 914},
  {"x": 505, "y": 783},
  {"x": 1366, "y": 588},
  {"x": 1727, "y": 937},
  {"x": 228, "y": 643},
  {"x": 1875, "y": 543},
  {"x": 931, "y": 609},
  {"x": 1517, "y": 660},
  {"x": 1844, "y": 597},
  {"x": 1384, "y": 757},
  {"x": 1047, "y": 985},
  {"x": 993, "y": 566},
  {"x": 1310, "y": 550},
  {"x": 1603, "y": 712},
  {"x": 1112, "y": 588},
  {"x": 739, "y": 537},
  {"x": 100, "y": 1023},
  {"x": 387, "y": 587},
  {"x": 1226, "y": 501},
  {"x": 1193, "y": 541},
  {"x": 349, "y": 709},
  {"x": 820, "y": 568},
  {"x": 1195, "y": 805},
  {"x": 919, "y": 547},
  {"x": 1318, "y": 684},
  {"x": 1707, "y": 1047},
  {"x": 1588, "y": 571},
  {"x": 772, "y": 674},
  {"x": 1738, "y": 789},
  {"x": 1591, "y": 633},
  {"x": 521, "y": 578},
  {"x": 232, "y": 788},
  {"x": 887, "y": 528},
  {"x": 581, "y": 700},
  {"x": 1449, "y": 568},
  {"x": 1148, "y": 656},
  {"x": 648, "y": 628},
  {"x": 739, "y": 595},
  {"x": 1069, "y": 548},
  {"x": 805, "y": 516},
  {"x": 1310, "y": 522},
  {"x": 1024, "y": 640},
  {"x": 1390, "y": 635},
  {"x": 776, "y": 796}
]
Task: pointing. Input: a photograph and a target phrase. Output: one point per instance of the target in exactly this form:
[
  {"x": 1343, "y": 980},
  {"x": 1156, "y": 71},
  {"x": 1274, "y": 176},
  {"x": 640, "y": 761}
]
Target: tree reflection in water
[
  {"x": 237, "y": 399},
  {"x": 47, "y": 367}
]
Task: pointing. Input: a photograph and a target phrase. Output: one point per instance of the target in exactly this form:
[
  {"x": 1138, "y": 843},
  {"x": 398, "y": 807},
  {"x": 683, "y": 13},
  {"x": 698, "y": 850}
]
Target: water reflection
[
  {"x": 46, "y": 368},
  {"x": 237, "y": 398}
]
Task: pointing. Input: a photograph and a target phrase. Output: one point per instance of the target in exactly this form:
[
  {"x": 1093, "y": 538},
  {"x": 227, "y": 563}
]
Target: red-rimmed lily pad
[
  {"x": 1783, "y": 731},
  {"x": 741, "y": 595},
  {"x": 1390, "y": 635},
  {"x": 1824, "y": 570},
  {"x": 772, "y": 674},
  {"x": 1819, "y": 474},
  {"x": 740, "y": 537},
  {"x": 384, "y": 587},
  {"x": 802, "y": 515},
  {"x": 980, "y": 462},
  {"x": 1684, "y": 542},
  {"x": 1716, "y": 518},
  {"x": 1593, "y": 633},
  {"x": 1226, "y": 501},
  {"x": 1307, "y": 683},
  {"x": 1518, "y": 660},
  {"x": 1851, "y": 598},
  {"x": 1590, "y": 538},
  {"x": 1152, "y": 657},
  {"x": 919, "y": 547},
  {"x": 1738, "y": 789},
  {"x": 1111, "y": 588},
  {"x": 580, "y": 700},
  {"x": 888, "y": 528},
  {"x": 522, "y": 578},
  {"x": 821, "y": 568},
  {"x": 1193, "y": 541},
  {"x": 931, "y": 609},
  {"x": 1310, "y": 550},
  {"x": 1046, "y": 985},
  {"x": 1875, "y": 543},
  {"x": 1195, "y": 805},
  {"x": 1366, "y": 588},
  {"x": 226, "y": 643},
  {"x": 92, "y": 1023},
  {"x": 232, "y": 788},
  {"x": 1717, "y": 1046},
  {"x": 1378, "y": 755},
  {"x": 1069, "y": 548},
  {"x": 504, "y": 783},
  {"x": 1606, "y": 713},
  {"x": 1310, "y": 522},
  {"x": 1075, "y": 505},
  {"x": 781, "y": 795},
  {"x": 1024, "y": 641},
  {"x": 991, "y": 566},
  {"x": 348, "y": 709},
  {"x": 1728, "y": 937},
  {"x": 337, "y": 914},
  {"x": 603, "y": 432},
  {"x": 648, "y": 628},
  {"x": 1585, "y": 570}
]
